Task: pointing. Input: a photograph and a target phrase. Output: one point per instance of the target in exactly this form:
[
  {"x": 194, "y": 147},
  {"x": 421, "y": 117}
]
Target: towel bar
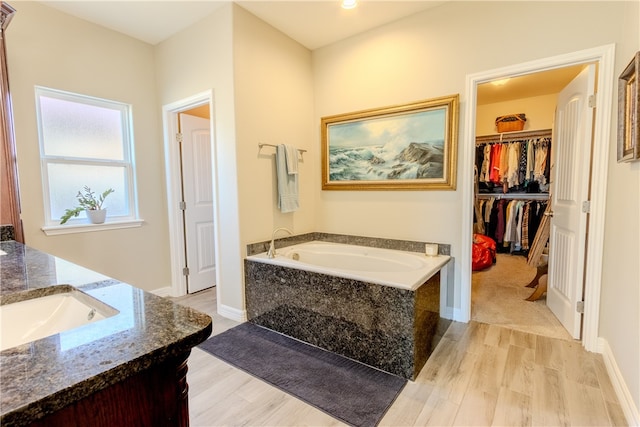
[{"x": 260, "y": 145}]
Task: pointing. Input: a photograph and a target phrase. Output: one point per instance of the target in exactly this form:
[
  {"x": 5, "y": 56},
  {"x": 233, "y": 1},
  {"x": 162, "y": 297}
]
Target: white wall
[
  {"x": 429, "y": 55},
  {"x": 49, "y": 48}
]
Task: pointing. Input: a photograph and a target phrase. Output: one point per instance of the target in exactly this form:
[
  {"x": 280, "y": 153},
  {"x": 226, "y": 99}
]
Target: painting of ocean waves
[
  {"x": 417, "y": 160},
  {"x": 403, "y": 147}
]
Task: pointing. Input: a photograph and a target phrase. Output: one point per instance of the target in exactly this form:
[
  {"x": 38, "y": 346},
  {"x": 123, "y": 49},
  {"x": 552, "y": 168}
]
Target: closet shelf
[
  {"x": 514, "y": 136},
  {"x": 523, "y": 196}
]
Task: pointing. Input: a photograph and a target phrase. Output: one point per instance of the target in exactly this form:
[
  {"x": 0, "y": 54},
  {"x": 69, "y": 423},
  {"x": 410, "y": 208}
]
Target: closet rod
[
  {"x": 261, "y": 144},
  {"x": 514, "y": 136},
  {"x": 528, "y": 196}
]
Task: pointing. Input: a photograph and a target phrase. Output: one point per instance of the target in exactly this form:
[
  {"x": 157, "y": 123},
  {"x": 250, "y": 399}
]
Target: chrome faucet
[{"x": 272, "y": 248}]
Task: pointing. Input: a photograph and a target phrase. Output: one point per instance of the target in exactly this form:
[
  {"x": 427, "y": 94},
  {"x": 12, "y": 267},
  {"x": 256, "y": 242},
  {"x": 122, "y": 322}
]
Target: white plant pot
[{"x": 96, "y": 216}]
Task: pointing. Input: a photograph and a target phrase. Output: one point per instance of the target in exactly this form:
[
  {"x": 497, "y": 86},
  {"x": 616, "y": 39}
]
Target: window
[{"x": 85, "y": 141}]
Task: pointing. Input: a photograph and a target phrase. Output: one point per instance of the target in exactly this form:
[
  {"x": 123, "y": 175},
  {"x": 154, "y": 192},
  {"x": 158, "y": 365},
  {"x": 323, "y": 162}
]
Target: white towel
[
  {"x": 287, "y": 184},
  {"x": 292, "y": 159}
]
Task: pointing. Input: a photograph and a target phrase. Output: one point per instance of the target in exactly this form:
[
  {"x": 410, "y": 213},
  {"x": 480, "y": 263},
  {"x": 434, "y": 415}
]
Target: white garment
[
  {"x": 509, "y": 234},
  {"x": 528, "y": 176},
  {"x": 541, "y": 151},
  {"x": 513, "y": 169},
  {"x": 519, "y": 213}
]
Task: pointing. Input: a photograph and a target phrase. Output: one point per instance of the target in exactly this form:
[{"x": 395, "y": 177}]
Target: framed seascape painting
[
  {"x": 404, "y": 147},
  {"x": 629, "y": 112}
]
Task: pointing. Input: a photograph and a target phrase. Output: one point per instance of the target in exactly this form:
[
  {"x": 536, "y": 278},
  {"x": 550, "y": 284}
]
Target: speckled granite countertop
[{"x": 43, "y": 376}]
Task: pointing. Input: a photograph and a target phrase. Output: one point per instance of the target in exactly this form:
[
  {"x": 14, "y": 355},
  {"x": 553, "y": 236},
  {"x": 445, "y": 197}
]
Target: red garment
[
  {"x": 483, "y": 252},
  {"x": 494, "y": 165}
]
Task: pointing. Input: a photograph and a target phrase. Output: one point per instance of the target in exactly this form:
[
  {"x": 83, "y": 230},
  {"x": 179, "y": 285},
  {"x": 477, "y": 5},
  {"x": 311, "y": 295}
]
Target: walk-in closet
[{"x": 513, "y": 174}]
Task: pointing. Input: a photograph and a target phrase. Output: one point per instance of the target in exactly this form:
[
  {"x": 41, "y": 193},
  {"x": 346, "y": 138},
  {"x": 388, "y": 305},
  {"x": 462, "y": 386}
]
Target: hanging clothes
[
  {"x": 495, "y": 163},
  {"x": 530, "y": 161},
  {"x": 504, "y": 162},
  {"x": 513, "y": 168},
  {"x": 485, "y": 169},
  {"x": 523, "y": 164},
  {"x": 512, "y": 224},
  {"x": 525, "y": 226},
  {"x": 541, "y": 152}
]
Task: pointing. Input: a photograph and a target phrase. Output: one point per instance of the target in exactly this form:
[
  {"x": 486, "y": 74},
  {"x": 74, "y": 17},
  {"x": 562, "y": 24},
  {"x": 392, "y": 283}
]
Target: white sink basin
[{"x": 25, "y": 321}]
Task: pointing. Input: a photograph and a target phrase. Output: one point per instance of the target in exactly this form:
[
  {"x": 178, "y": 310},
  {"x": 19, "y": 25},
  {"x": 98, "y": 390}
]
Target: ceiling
[
  {"x": 313, "y": 24},
  {"x": 538, "y": 84}
]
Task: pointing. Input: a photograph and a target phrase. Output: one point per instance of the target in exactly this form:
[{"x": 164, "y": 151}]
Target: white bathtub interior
[{"x": 390, "y": 267}]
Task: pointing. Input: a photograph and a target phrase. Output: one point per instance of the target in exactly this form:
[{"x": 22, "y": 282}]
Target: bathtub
[
  {"x": 377, "y": 306},
  {"x": 387, "y": 267}
]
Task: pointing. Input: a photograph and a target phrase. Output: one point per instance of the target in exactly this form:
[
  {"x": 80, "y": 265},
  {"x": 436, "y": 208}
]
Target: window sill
[{"x": 54, "y": 230}]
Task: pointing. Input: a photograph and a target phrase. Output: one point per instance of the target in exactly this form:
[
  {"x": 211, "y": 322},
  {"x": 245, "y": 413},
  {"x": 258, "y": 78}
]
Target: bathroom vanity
[{"x": 128, "y": 368}]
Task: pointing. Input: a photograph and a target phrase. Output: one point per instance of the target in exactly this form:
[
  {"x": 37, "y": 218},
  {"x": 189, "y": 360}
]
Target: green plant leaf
[
  {"x": 69, "y": 213},
  {"x": 86, "y": 200}
]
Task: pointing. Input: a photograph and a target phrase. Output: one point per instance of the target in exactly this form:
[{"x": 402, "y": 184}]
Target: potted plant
[{"x": 89, "y": 203}]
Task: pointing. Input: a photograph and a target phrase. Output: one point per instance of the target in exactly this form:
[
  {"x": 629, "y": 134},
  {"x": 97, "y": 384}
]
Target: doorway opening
[
  {"x": 604, "y": 58},
  {"x": 513, "y": 187},
  {"x": 191, "y": 195}
]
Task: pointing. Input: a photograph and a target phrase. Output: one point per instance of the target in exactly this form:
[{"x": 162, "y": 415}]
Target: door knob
[{"x": 548, "y": 213}]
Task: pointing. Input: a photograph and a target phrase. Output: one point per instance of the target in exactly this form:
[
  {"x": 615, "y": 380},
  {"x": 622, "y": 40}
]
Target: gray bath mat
[{"x": 347, "y": 390}]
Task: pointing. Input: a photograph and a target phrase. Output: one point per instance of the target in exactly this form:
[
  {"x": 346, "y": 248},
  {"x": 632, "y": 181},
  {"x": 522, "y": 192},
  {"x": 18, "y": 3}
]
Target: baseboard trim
[
  {"x": 232, "y": 313},
  {"x": 619, "y": 385},
  {"x": 447, "y": 313},
  {"x": 458, "y": 315},
  {"x": 162, "y": 292}
]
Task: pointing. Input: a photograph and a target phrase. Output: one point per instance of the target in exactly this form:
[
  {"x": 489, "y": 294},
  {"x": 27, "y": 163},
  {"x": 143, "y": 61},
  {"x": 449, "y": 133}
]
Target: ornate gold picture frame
[
  {"x": 404, "y": 147},
  {"x": 629, "y": 112}
]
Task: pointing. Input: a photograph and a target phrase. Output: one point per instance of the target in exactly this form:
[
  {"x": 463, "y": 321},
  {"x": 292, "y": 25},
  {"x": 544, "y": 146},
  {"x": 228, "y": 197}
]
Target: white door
[
  {"x": 570, "y": 190},
  {"x": 197, "y": 182}
]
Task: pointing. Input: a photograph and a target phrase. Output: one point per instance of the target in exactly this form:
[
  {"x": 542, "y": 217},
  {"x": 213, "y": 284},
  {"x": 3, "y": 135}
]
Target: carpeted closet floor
[{"x": 498, "y": 298}]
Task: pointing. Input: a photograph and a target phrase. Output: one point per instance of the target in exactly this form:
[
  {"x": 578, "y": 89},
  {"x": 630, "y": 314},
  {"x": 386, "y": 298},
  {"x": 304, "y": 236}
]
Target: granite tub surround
[
  {"x": 389, "y": 328},
  {"x": 7, "y": 233},
  {"x": 131, "y": 365},
  {"x": 374, "y": 242}
]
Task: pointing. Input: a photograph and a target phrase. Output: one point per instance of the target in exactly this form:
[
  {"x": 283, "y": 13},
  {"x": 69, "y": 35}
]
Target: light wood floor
[{"x": 480, "y": 374}]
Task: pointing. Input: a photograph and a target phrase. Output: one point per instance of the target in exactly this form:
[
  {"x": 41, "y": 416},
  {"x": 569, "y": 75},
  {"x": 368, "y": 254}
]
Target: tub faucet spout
[{"x": 272, "y": 248}]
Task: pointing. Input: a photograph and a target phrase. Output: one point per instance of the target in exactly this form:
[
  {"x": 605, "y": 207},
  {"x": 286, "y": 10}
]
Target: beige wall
[
  {"x": 49, "y": 48},
  {"x": 198, "y": 59},
  {"x": 429, "y": 55},
  {"x": 269, "y": 89},
  {"x": 539, "y": 111},
  {"x": 274, "y": 105},
  {"x": 620, "y": 300}
]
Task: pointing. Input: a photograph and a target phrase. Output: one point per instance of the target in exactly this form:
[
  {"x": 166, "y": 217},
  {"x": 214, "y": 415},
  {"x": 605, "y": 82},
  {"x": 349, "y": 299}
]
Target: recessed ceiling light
[
  {"x": 501, "y": 82},
  {"x": 349, "y": 4}
]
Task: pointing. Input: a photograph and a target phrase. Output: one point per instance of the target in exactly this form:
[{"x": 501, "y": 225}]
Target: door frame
[
  {"x": 174, "y": 193},
  {"x": 604, "y": 56}
]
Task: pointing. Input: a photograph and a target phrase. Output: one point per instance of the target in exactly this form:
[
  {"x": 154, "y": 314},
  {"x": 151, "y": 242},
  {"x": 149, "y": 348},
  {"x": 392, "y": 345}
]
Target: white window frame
[{"x": 52, "y": 225}]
